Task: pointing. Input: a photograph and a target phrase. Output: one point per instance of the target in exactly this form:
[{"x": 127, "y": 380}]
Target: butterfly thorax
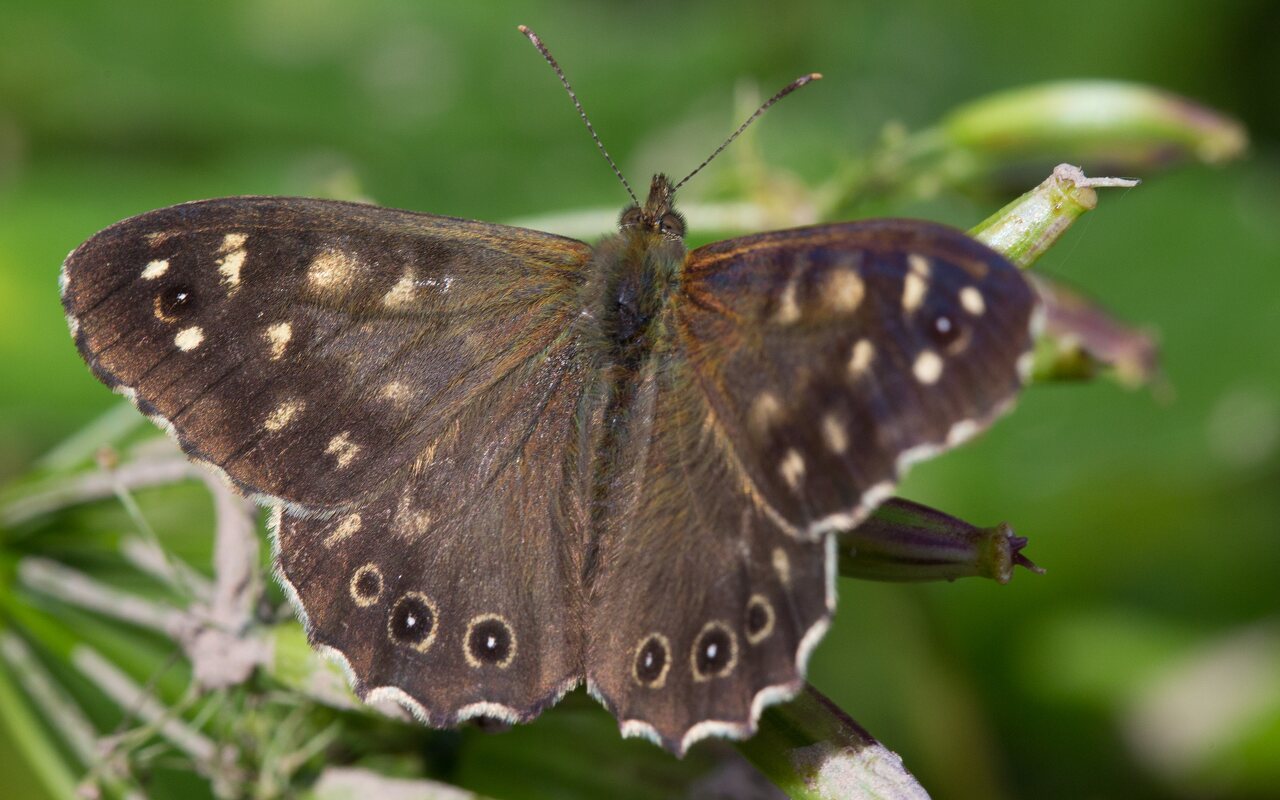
[{"x": 637, "y": 270}]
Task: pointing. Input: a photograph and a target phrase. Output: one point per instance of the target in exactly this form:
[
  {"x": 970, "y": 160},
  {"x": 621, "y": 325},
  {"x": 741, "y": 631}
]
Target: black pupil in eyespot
[
  {"x": 713, "y": 652},
  {"x": 368, "y": 584},
  {"x": 490, "y": 641},
  {"x": 412, "y": 620},
  {"x": 651, "y": 660},
  {"x": 943, "y": 330},
  {"x": 176, "y": 301},
  {"x": 757, "y": 617}
]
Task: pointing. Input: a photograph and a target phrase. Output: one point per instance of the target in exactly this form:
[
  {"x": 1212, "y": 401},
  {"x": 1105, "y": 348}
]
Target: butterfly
[{"x": 503, "y": 463}]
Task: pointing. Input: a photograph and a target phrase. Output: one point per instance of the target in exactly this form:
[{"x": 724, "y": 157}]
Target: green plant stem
[
  {"x": 33, "y": 740},
  {"x": 812, "y": 750},
  {"x": 1027, "y": 227},
  {"x": 906, "y": 541}
]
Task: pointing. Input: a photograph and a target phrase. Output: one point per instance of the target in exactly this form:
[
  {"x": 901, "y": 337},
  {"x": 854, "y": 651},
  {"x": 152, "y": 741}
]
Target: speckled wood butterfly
[{"x": 502, "y": 463}]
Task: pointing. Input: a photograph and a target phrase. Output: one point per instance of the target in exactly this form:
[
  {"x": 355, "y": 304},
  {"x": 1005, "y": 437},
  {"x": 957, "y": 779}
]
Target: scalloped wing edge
[
  {"x": 374, "y": 695},
  {"x": 959, "y": 433},
  {"x": 631, "y": 728},
  {"x": 762, "y": 699},
  {"x": 162, "y": 422}
]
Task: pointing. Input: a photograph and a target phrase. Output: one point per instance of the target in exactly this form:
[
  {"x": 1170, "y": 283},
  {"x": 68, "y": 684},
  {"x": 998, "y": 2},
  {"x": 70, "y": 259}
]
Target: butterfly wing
[
  {"x": 455, "y": 592},
  {"x": 701, "y": 609},
  {"x": 403, "y": 388},
  {"x": 832, "y": 357},
  {"x": 795, "y": 374},
  {"x": 311, "y": 349}
]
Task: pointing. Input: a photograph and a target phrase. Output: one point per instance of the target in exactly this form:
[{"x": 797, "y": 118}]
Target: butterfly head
[{"x": 658, "y": 214}]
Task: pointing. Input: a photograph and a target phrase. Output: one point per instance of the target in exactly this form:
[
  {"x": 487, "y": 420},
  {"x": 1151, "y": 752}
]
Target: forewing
[
  {"x": 312, "y": 349},
  {"x": 833, "y": 356},
  {"x": 702, "y": 610}
]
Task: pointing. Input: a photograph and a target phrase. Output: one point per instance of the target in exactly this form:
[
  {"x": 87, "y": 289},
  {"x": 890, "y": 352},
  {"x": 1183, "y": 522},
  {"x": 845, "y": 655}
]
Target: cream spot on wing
[
  {"x": 278, "y": 336},
  {"x": 402, "y": 293},
  {"x": 914, "y": 289},
  {"x": 860, "y": 357},
  {"x": 788, "y": 307},
  {"x": 283, "y": 414},
  {"x": 972, "y": 301},
  {"x": 343, "y": 449},
  {"x": 347, "y": 527},
  {"x": 835, "y": 434},
  {"x": 233, "y": 255},
  {"x": 395, "y": 391},
  {"x": 927, "y": 367},
  {"x": 410, "y": 519},
  {"x": 233, "y": 241},
  {"x": 332, "y": 270},
  {"x": 844, "y": 290},
  {"x": 189, "y": 339},
  {"x": 417, "y": 522},
  {"x": 919, "y": 265},
  {"x": 765, "y": 411},
  {"x": 155, "y": 269},
  {"x": 782, "y": 565},
  {"x": 792, "y": 468}
]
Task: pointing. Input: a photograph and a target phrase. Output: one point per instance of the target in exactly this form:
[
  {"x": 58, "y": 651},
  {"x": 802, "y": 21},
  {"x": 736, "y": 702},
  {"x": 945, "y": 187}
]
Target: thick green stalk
[
  {"x": 906, "y": 541},
  {"x": 1025, "y": 228},
  {"x": 812, "y": 750}
]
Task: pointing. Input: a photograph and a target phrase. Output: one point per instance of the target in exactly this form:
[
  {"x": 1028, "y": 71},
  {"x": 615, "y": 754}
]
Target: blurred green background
[{"x": 1146, "y": 663}]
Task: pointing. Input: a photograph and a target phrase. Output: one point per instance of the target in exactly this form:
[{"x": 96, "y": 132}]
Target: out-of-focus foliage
[{"x": 1142, "y": 664}]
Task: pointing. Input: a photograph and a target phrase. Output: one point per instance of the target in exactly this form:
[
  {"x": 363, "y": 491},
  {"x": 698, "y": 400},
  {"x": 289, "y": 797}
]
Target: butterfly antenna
[
  {"x": 542, "y": 48},
  {"x": 788, "y": 89}
]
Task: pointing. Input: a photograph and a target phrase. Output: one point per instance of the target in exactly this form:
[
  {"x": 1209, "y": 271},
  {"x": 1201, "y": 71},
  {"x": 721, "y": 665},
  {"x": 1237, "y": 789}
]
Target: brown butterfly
[{"x": 503, "y": 463}]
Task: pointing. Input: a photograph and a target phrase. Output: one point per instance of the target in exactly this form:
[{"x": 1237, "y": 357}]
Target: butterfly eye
[
  {"x": 175, "y": 302},
  {"x": 715, "y": 652},
  {"x": 631, "y": 216},
  {"x": 652, "y": 662},
  {"x": 490, "y": 641},
  {"x": 671, "y": 224}
]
